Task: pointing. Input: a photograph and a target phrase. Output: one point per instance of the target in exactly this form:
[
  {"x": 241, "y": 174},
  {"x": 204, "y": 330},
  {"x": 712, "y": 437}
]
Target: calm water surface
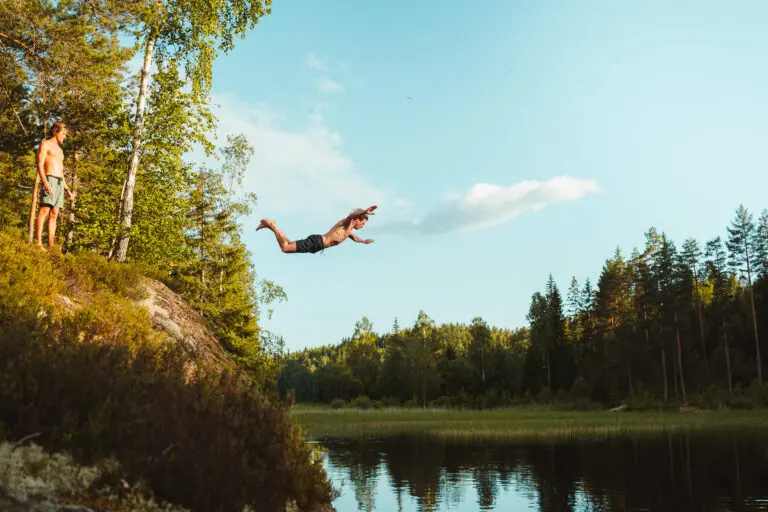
[{"x": 723, "y": 471}]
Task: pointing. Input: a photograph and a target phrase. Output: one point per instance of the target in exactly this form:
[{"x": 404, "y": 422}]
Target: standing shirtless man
[
  {"x": 314, "y": 243},
  {"x": 50, "y": 168}
]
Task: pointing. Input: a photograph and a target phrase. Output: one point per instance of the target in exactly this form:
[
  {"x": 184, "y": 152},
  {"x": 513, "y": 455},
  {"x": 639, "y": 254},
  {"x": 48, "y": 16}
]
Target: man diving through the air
[{"x": 314, "y": 243}]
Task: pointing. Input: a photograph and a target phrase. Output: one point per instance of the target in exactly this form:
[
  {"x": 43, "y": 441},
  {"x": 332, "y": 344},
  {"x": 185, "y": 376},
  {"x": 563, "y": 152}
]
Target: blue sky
[{"x": 501, "y": 140}]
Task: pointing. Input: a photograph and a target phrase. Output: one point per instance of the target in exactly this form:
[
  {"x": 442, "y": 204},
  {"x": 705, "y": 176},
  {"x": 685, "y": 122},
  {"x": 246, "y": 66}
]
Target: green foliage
[
  {"x": 362, "y": 402},
  {"x": 96, "y": 380}
]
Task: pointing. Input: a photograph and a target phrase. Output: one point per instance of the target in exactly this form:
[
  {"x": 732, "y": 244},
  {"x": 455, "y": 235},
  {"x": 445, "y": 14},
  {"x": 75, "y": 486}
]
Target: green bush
[
  {"x": 361, "y": 402},
  {"x": 99, "y": 382},
  {"x": 338, "y": 403},
  {"x": 644, "y": 401},
  {"x": 31, "y": 476},
  {"x": 391, "y": 401}
]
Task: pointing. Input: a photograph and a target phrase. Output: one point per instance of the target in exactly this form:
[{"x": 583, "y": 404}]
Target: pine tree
[
  {"x": 690, "y": 256},
  {"x": 761, "y": 246},
  {"x": 741, "y": 244},
  {"x": 716, "y": 263},
  {"x": 219, "y": 278}
]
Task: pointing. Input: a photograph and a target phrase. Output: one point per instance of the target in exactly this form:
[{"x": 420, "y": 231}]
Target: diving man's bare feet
[{"x": 265, "y": 223}]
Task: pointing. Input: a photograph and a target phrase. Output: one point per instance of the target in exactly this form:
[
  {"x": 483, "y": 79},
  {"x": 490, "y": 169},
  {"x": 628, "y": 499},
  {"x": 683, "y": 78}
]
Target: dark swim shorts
[{"x": 312, "y": 243}]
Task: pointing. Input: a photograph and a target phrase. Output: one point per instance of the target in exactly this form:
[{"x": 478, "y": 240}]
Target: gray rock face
[{"x": 175, "y": 316}]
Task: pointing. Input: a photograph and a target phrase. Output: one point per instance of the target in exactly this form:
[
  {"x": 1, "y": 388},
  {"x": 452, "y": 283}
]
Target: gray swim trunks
[{"x": 56, "y": 199}]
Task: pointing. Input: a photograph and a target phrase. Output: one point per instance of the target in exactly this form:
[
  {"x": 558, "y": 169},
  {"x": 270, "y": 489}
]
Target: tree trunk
[
  {"x": 664, "y": 373},
  {"x": 629, "y": 379},
  {"x": 645, "y": 318},
  {"x": 680, "y": 358},
  {"x": 72, "y": 205},
  {"x": 757, "y": 340},
  {"x": 33, "y": 208},
  {"x": 703, "y": 340},
  {"x": 674, "y": 373},
  {"x": 549, "y": 373},
  {"x": 727, "y": 360},
  {"x": 126, "y": 210},
  {"x": 482, "y": 361},
  {"x": 36, "y": 191},
  {"x": 754, "y": 317}
]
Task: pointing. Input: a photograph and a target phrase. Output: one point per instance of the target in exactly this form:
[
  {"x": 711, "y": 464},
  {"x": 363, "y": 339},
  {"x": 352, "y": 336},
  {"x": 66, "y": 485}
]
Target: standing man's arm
[
  {"x": 68, "y": 191},
  {"x": 42, "y": 153}
]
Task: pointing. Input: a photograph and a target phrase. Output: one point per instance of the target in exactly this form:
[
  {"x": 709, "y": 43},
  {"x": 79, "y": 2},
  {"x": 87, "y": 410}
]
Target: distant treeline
[{"x": 668, "y": 323}]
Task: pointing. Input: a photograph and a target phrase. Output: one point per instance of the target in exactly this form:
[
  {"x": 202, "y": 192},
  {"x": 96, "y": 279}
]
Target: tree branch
[{"x": 14, "y": 40}]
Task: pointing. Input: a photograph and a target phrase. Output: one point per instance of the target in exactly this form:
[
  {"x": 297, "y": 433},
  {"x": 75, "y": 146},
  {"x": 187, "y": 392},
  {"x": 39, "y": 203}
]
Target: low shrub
[
  {"x": 361, "y": 402},
  {"x": 29, "y": 477}
]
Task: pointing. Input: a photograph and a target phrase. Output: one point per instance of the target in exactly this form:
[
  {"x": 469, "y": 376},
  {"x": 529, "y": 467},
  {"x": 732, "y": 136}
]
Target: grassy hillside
[{"x": 84, "y": 370}]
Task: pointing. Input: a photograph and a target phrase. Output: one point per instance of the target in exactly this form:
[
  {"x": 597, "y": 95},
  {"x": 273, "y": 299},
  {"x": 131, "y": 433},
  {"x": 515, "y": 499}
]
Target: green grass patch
[{"x": 520, "y": 423}]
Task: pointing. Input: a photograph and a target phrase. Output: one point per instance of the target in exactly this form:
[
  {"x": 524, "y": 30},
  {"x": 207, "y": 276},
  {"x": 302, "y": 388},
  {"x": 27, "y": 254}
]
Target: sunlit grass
[{"x": 515, "y": 423}]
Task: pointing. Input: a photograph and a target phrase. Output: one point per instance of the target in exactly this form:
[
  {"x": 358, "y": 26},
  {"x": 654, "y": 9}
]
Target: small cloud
[
  {"x": 328, "y": 85},
  {"x": 484, "y": 205},
  {"x": 314, "y": 62}
]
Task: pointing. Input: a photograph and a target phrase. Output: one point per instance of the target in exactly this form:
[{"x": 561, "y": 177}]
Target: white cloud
[
  {"x": 314, "y": 62},
  {"x": 485, "y": 205},
  {"x": 295, "y": 170},
  {"x": 327, "y": 85}
]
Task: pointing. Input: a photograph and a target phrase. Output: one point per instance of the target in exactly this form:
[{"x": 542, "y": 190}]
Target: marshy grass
[{"x": 518, "y": 423}]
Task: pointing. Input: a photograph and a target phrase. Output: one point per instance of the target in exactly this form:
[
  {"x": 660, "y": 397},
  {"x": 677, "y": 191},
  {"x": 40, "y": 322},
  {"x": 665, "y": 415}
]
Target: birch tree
[{"x": 188, "y": 31}]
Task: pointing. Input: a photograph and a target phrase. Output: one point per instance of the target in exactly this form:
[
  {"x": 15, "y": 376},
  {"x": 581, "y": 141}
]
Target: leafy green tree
[
  {"x": 180, "y": 31},
  {"x": 363, "y": 357},
  {"x": 478, "y": 352}
]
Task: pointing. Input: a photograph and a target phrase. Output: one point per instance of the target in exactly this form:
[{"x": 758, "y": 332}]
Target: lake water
[{"x": 723, "y": 471}]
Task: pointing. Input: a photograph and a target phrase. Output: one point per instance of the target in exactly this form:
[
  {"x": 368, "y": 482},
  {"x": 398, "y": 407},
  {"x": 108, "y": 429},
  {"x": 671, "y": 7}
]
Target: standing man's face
[{"x": 61, "y": 136}]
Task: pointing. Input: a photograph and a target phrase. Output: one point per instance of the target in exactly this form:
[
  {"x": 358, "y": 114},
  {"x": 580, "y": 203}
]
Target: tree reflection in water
[{"x": 723, "y": 471}]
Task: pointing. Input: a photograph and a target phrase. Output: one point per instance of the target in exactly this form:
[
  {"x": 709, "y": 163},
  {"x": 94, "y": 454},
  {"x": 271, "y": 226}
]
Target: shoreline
[{"x": 518, "y": 423}]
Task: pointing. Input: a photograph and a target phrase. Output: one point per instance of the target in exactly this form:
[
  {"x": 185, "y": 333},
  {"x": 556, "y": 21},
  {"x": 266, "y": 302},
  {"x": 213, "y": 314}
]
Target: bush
[
  {"x": 30, "y": 476},
  {"x": 362, "y": 402},
  {"x": 338, "y": 403},
  {"x": 390, "y": 401},
  {"x": 644, "y": 401},
  {"x": 99, "y": 382}
]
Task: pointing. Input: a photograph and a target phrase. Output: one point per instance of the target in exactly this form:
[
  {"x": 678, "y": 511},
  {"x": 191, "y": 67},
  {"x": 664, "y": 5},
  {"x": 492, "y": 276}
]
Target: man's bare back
[{"x": 336, "y": 235}]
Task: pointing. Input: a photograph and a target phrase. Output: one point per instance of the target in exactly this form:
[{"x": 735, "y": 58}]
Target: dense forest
[
  {"x": 668, "y": 323},
  {"x": 131, "y": 82}
]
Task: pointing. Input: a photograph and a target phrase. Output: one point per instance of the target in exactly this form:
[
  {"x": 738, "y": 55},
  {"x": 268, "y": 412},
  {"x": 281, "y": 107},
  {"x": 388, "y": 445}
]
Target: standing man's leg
[
  {"x": 52, "y": 217},
  {"x": 42, "y": 214}
]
